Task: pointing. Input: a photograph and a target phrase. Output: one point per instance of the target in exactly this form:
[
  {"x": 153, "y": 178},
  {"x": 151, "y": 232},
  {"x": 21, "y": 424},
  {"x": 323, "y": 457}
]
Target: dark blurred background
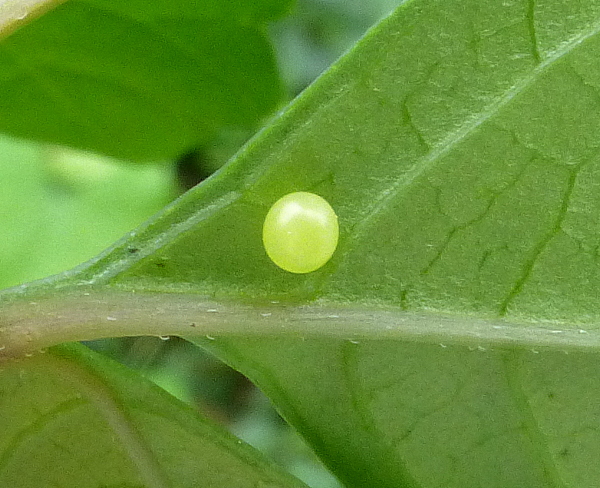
[{"x": 66, "y": 207}]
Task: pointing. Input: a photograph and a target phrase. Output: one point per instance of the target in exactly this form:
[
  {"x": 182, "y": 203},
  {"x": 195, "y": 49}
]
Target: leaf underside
[
  {"x": 458, "y": 144},
  {"x": 77, "y": 419}
]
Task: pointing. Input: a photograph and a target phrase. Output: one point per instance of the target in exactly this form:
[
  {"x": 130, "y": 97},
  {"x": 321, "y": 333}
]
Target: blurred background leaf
[{"x": 77, "y": 76}]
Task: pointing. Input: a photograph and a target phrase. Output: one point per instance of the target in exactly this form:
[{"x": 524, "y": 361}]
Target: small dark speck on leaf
[
  {"x": 160, "y": 264},
  {"x": 132, "y": 250}
]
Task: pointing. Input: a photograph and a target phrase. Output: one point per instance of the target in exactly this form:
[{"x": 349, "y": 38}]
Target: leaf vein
[
  {"x": 532, "y": 33},
  {"x": 511, "y": 363},
  {"x": 542, "y": 244},
  {"x": 36, "y": 427},
  {"x": 100, "y": 394},
  {"x": 388, "y": 194}
]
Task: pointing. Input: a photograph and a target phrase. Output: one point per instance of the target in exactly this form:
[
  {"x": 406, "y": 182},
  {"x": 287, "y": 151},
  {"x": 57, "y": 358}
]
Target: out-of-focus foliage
[
  {"x": 139, "y": 80},
  {"x": 60, "y": 207},
  {"x": 319, "y": 32}
]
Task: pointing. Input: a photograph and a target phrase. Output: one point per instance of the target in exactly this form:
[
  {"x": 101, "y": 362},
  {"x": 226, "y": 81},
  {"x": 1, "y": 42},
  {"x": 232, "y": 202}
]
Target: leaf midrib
[{"x": 32, "y": 322}]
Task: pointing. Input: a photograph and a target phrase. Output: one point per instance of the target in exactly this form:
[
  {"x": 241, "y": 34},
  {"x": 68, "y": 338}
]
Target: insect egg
[{"x": 300, "y": 232}]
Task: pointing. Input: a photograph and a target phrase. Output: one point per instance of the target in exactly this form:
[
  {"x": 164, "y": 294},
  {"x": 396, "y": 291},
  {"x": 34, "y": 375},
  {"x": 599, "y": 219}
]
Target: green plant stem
[{"x": 30, "y": 322}]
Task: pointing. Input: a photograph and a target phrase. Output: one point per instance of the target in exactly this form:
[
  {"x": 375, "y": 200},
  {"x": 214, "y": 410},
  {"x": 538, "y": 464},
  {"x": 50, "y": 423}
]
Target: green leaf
[
  {"x": 138, "y": 80},
  {"x": 59, "y": 207},
  {"x": 74, "y": 419},
  {"x": 391, "y": 413},
  {"x": 452, "y": 340}
]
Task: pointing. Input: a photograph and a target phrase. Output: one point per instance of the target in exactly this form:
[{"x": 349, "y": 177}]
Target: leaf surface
[
  {"x": 80, "y": 420},
  {"x": 453, "y": 338},
  {"x": 137, "y": 80}
]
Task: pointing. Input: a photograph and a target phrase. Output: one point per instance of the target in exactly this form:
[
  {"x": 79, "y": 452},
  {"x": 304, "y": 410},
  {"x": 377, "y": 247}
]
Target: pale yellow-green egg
[{"x": 300, "y": 232}]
